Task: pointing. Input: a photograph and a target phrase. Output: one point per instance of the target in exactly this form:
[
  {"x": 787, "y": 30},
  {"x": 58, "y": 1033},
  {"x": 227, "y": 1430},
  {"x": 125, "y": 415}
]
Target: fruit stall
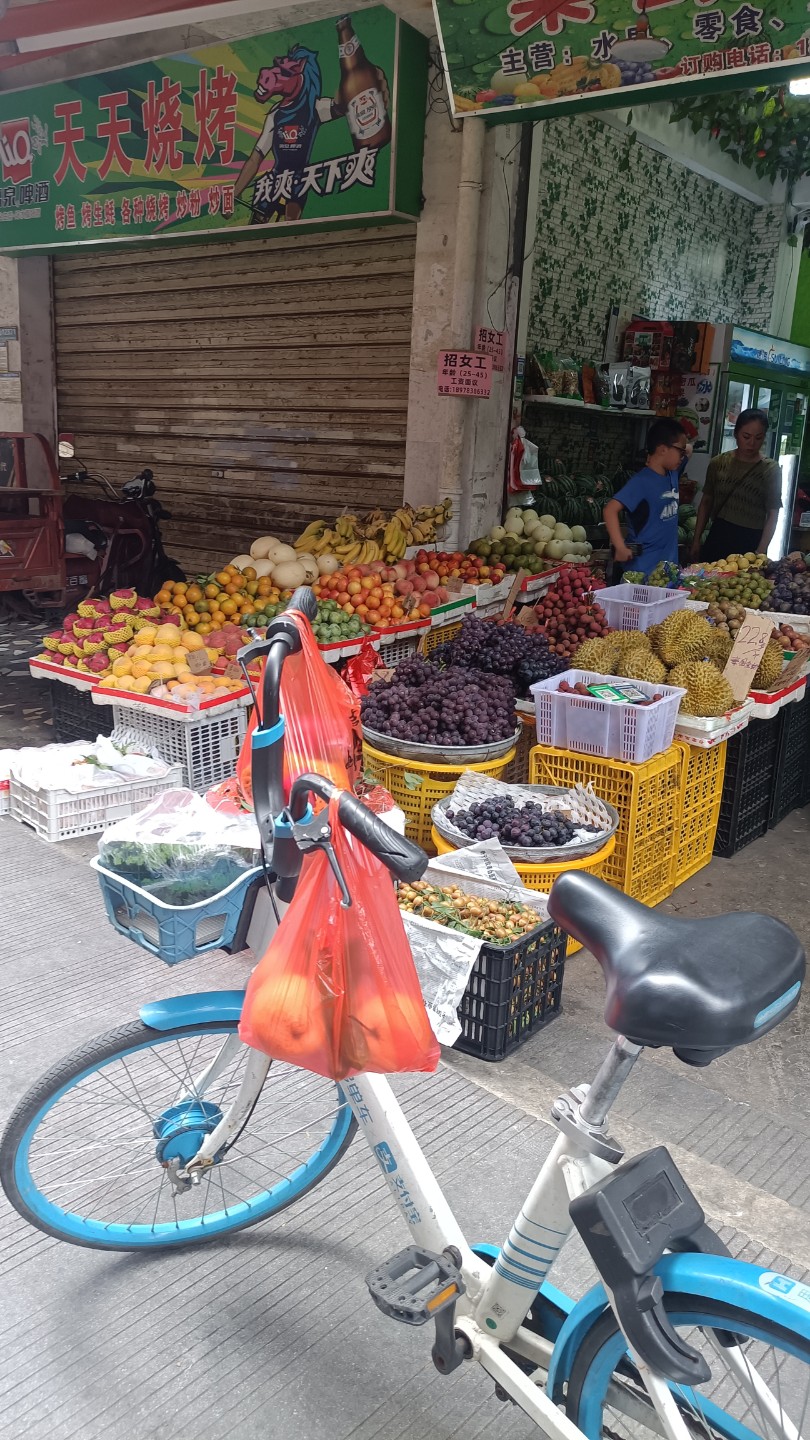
[{"x": 507, "y": 701}]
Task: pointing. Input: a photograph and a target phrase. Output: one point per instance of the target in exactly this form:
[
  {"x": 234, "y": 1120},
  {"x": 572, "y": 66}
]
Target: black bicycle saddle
[{"x": 700, "y": 987}]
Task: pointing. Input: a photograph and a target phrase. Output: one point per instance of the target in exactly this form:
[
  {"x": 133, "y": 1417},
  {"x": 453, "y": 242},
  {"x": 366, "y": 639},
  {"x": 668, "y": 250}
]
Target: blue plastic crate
[{"x": 173, "y": 932}]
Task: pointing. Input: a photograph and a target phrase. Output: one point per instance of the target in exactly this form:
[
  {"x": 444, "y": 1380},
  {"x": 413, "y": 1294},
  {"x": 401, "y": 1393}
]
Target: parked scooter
[{"x": 114, "y": 541}]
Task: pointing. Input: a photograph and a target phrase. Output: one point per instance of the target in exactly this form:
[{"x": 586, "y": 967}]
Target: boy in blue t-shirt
[{"x": 650, "y": 498}]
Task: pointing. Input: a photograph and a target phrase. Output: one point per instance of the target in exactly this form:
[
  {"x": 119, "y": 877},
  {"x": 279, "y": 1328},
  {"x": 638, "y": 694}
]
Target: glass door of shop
[
  {"x": 739, "y": 397},
  {"x": 787, "y": 436}
]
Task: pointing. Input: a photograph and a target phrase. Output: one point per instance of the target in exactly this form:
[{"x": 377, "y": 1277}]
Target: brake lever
[{"x": 315, "y": 833}]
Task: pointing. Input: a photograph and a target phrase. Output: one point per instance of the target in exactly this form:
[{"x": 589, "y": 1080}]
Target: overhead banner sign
[
  {"x": 507, "y": 56},
  {"x": 319, "y": 124}
]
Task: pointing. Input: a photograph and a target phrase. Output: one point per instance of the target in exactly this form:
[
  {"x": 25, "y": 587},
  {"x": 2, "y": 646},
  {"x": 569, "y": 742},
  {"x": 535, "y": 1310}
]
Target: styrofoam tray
[
  {"x": 768, "y": 703},
  {"x": 43, "y": 670},
  {"x": 151, "y": 704},
  {"x": 707, "y": 731}
]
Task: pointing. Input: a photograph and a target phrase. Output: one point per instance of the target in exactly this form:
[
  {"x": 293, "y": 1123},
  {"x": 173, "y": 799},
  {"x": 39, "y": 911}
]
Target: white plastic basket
[
  {"x": 609, "y": 728},
  {"x": 206, "y": 748},
  {"x": 637, "y": 607},
  {"x": 60, "y": 815},
  {"x": 400, "y": 642}
]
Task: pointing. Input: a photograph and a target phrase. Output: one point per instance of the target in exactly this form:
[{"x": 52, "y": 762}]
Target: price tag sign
[
  {"x": 492, "y": 342},
  {"x": 526, "y": 616},
  {"x": 513, "y": 593},
  {"x": 749, "y": 647},
  {"x": 463, "y": 372},
  {"x": 198, "y": 663},
  {"x": 233, "y": 670}
]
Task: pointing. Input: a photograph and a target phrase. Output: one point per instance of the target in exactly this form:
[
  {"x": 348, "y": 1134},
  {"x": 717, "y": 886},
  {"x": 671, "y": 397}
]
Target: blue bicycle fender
[
  {"x": 764, "y": 1292},
  {"x": 204, "y": 1008}
]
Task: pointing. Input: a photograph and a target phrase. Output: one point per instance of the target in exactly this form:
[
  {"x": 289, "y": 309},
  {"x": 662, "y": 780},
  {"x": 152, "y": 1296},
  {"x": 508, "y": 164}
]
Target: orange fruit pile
[{"x": 227, "y": 596}]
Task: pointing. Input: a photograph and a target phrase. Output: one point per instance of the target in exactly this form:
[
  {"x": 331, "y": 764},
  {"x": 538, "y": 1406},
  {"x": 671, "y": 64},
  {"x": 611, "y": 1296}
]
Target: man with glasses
[{"x": 650, "y": 498}]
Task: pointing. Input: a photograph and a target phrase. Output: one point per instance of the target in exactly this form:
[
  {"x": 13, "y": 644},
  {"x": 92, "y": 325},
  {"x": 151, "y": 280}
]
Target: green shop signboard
[
  {"x": 507, "y": 56},
  {"x": 323, "y": 124}
]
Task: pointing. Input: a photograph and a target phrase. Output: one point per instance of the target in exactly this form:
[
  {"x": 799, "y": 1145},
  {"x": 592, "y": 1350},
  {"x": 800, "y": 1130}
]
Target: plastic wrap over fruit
[{"x": 179, "y": 849}]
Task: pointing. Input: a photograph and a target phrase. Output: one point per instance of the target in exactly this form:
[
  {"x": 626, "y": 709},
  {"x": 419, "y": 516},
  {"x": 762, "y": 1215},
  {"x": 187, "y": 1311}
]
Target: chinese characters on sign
[
  {"x": 749, "y": 647},
  {"x": 492, "y": 342},
  {"x": 463, "y": 372},
  {"x": 260, "y": 131},
  {"x": 559, "y": 52}
]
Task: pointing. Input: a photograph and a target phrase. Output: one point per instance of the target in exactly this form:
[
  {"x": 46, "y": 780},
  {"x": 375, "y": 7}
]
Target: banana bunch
[{"x": 376, "y": 536}]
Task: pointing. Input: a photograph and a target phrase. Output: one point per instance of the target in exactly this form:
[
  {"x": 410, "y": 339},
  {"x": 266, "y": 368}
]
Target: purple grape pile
[
  {"x": 506, "y": 649},
  {"x": 430, "y": 706},
  {"x": 791, "y": 587},
  {"x": 529, "y": 827}
]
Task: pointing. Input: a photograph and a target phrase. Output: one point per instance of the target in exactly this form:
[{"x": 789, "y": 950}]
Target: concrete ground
[{"x": 272, "y": 1333}]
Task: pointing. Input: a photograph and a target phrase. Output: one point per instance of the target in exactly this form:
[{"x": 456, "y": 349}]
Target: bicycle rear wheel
[
  {"x": 82, "y": 1154},
  {"x": 759, "y": 1388}
]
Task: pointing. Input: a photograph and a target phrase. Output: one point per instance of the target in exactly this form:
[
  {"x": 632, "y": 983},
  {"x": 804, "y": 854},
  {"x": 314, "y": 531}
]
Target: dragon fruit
[
  {"x": 98, "y": 663},
  {"x": 123, "y": 599},
  {"x": 115, "y": 634},
  {"x": 89, "y": 610},
  {"x": 51, "y": 642},
  {"x": 92, "y": 643}
]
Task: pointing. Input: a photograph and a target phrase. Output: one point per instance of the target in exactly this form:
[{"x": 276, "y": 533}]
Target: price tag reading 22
[{"x": 749, "y": 647}]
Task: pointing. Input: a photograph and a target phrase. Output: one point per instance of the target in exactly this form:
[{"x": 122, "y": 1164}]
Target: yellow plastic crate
[
  {"x": 648, "y": 798},
  {"x": 438, "y": 636},
  {"x": 701, "y": 792},
  {"x": 542, "y": 877},
  {"x": 518, "y": 772},
  {"x": 416, "y": 786}
]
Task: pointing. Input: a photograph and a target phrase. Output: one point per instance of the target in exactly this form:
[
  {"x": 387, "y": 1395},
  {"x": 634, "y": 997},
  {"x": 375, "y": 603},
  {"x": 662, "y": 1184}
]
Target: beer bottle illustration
[{"x": 361, "y": 94}]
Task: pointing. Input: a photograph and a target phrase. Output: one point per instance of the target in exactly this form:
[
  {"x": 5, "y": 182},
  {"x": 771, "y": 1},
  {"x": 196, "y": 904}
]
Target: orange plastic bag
[
  {"x": 322, "y": 721},
  {"x": 337, "y": 991}
]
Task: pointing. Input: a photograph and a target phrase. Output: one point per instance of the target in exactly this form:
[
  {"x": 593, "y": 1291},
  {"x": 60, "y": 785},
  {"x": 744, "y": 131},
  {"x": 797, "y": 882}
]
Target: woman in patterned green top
[{"x": 742, "y": 496}]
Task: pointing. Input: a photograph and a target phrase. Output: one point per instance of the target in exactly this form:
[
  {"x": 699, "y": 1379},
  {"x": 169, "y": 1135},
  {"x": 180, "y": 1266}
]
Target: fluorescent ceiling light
[{"x": 801, "y": 86}]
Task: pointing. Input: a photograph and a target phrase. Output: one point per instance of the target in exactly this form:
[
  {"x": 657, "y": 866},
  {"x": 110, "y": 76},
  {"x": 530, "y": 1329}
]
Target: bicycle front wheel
[
  {"x": 84, "y": 1154},
  {"x": 758, "y": 1387}
]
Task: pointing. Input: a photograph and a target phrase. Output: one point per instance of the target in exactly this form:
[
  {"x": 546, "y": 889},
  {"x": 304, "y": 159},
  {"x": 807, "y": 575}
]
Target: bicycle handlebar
[
  {"x": 404, "y": 859},
  {"x": 400, "y": 856}
]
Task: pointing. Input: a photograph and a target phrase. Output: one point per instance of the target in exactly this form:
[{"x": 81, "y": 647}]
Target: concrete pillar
[
  {"x": 28, "y": 390},
  {"x": 431, "y": 418}
]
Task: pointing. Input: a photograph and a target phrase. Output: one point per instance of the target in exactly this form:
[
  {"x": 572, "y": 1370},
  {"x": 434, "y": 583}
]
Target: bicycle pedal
[{"x": 416, "y": 1285}]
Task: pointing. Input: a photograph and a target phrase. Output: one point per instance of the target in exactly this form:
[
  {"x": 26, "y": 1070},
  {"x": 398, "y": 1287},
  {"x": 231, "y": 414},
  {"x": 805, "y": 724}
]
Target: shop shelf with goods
[
  {"x": 747, "y": 786},
  {"x": 701, "y": 794},
  {"x": 179, "y": 932},
  {"x": 542, "y": 877},
  {"x": 648, "y": 799},
  {"x": 792, "y": 760},
  {"x": 204, "y": 742},
  {"x": 416, "y": 785},
  {"x": 605, "y": 728},
  {"x": 62, "y": 815}
]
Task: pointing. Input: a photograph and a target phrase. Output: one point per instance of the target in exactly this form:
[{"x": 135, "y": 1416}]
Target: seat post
[{"x": 609, "y": 1080}]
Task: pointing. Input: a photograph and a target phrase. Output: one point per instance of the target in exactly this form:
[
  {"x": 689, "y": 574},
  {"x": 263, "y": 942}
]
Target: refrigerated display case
[{"x": 761, "y": 372}]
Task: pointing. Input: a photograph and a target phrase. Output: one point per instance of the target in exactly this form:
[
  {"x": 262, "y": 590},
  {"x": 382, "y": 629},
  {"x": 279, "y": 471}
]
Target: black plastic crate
[
  {"x": 75, "y": 717},
  {"x": 512, "y": 992},
  {"x": 792, "y": 760},
  {"x": 746, "y": 803}
]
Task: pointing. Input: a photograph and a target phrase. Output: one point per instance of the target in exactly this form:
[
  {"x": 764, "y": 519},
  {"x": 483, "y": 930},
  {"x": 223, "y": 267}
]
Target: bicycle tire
[
  {"x": 35, "y": 1111},
  {"x": 602, "y": 1360}
]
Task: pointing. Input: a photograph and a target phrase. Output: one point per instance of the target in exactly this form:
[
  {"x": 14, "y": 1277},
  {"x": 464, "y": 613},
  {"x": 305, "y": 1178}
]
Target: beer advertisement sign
[
  {"x": 320, "y": 124},
  {"x": 517, "y": 58}
]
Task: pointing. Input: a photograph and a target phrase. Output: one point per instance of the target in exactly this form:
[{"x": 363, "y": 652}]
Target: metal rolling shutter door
[{"x": 265, "y": 382}]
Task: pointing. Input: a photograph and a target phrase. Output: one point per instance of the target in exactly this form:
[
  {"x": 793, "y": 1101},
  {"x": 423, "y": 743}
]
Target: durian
[
  {"x": 628, "y": 640},
  {"x": 719, "y": 648},
  {"x": 770, "y": 666},
  {"x": 683, "y": 636},
  {"x": 707, "y": 691},
  {"x": 641, "y": 664},
  {"x": 598, "y": 655}
]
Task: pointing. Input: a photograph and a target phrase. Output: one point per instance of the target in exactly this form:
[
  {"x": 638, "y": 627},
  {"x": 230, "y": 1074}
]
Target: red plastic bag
[
  {"x": 337, "y": 991},
  {"x": 322, "y": 723}
]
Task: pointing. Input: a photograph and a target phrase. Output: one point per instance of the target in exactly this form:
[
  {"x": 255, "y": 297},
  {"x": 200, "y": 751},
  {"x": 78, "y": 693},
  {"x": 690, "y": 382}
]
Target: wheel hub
[{"x": 181, "y": 1129}]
